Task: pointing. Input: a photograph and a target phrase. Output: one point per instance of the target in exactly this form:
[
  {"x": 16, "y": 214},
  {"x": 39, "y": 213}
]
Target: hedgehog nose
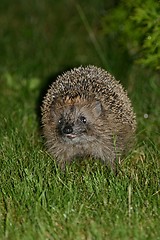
[{"x": 67, "y": 129}]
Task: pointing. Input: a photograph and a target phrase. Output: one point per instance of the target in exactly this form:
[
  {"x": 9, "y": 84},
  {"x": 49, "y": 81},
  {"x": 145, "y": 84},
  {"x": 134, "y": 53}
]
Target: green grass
[{"x": 37, "y": 201}]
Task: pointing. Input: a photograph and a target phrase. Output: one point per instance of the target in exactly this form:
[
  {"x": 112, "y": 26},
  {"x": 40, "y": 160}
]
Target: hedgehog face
[{"x": 74, "y": 121}]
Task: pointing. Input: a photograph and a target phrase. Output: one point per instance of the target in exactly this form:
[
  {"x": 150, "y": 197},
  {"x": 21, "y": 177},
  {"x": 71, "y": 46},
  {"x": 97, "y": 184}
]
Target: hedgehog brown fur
[{"x": 86, "y": 112}]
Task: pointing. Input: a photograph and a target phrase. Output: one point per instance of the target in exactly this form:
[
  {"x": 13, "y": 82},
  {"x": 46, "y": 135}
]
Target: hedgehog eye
[
  {"x": 60, "y": 120},
  {"x": 83, "y": 119}
]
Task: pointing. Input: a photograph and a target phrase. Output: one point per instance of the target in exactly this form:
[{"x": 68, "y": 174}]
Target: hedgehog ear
[{"x": 97, "y": 108}]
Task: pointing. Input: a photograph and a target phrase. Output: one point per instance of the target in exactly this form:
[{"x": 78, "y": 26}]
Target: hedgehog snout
[
  {"x": 67, "y": 129},
  {"x": 70, "y": 130}
]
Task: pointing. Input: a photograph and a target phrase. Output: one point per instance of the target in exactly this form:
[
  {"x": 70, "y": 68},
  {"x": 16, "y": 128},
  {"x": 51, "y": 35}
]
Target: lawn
[{"x": 38, "y": 40}]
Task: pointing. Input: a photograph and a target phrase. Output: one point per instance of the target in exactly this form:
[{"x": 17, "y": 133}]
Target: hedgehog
[{"x": 87, "y": 113}]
